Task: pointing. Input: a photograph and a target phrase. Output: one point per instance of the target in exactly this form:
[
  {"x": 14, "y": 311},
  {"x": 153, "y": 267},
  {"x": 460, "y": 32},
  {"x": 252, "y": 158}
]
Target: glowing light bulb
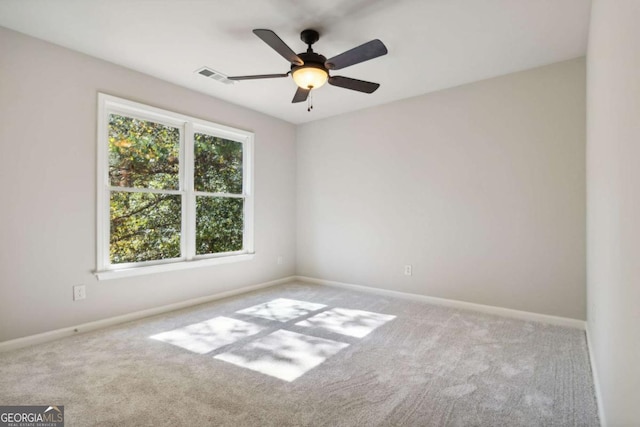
[{"x": 310, "y": 77}]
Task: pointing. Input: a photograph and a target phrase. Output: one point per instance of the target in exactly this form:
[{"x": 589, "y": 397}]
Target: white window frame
[{"x": 187, "y": 125}]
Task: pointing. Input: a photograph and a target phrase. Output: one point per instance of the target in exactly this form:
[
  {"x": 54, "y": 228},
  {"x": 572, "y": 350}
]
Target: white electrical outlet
[
  {"x": 280, "y": 260},
  {"x": 79, "y": 292},
  {"x": 408, "y": 270}
]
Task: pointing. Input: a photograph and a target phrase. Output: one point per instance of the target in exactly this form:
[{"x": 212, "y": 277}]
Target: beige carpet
[{"x": 305, "y": 355}]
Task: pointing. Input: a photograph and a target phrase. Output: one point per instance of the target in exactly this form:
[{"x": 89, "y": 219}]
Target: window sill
[{"x": 173, "y": 266}]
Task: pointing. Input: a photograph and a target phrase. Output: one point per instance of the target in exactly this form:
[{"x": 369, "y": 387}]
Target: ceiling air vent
[{"x": 215, "y": 75}]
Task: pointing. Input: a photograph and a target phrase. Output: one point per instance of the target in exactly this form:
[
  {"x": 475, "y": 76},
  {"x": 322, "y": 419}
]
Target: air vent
[{"x": 215, "y": 75}]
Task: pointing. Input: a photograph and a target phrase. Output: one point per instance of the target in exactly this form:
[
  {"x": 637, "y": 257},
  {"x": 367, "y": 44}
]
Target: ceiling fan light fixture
[{"x": 309, "y": 76}]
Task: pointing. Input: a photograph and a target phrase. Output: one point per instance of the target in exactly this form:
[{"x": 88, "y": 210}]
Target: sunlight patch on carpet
[
  {"x": 283, "y": 354},
  {"x": 282, "y": 309},
  {"x": 209, "y": 335},
  {"x": 354, "y": 323}
]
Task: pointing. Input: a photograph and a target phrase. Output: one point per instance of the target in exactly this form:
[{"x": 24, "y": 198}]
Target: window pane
[
  {"x": 219, "y": 224},
  {"x": 144, "y": 226},
  {"x": 218, "y": 164},
  {"x": 143, "y": 154}
]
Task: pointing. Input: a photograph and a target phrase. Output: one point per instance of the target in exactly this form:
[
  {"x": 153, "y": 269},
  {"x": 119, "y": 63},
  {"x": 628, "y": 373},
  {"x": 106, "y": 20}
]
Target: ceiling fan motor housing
[{"x": 311, "y": 59}]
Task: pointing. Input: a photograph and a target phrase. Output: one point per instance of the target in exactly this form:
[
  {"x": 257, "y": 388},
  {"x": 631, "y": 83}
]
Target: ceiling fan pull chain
[{"x": 310, "y": 102}]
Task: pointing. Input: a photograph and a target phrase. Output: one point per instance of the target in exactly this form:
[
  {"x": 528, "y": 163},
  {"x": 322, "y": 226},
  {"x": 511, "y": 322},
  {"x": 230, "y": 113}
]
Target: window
[{"x": 173, "y": 191}]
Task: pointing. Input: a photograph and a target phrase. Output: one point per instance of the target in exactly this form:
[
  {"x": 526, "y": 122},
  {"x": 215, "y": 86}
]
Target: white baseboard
[
  {"x": 489, "y": 309},
  {"x": 596, "y": 379},
  {"x": 99, "y": 324}
]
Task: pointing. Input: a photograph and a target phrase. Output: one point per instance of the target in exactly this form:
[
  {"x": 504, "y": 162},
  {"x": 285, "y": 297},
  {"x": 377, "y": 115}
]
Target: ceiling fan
[{"x": 310, "y": 70}]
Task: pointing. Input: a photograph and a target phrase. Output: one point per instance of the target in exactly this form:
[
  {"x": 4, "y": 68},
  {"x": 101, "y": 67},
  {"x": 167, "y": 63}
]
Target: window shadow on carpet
[{"x": 276, "y": 351}]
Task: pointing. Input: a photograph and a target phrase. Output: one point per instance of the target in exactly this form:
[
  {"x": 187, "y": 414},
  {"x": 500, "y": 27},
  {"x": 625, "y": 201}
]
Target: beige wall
[
  {"x": 48, "y": 98},
  {"x": 481, "y": 188},
  {"x": 613, "y": 182}
]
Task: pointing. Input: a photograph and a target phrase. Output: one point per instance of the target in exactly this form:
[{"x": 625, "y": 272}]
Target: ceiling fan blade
[
  {"x": 359, "y": 54},
  {"x": 353, "y": 84},
  {"x": 276, "y": 43},
  {"x": 259, "y": 76},
  {"x": 301, "y": 95}
]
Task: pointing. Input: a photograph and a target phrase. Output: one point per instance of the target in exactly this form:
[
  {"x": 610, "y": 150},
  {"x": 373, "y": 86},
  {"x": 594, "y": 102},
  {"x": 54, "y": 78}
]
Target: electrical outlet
[
  {"x": 408, "y": 270},
  {"x": 79, "y": 292},
  {"x": 280, "y": 260}
]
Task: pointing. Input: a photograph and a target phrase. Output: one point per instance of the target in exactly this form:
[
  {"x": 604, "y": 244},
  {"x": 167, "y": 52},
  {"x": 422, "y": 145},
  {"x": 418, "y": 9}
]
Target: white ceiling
[{"x": 433, "y": 44}]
